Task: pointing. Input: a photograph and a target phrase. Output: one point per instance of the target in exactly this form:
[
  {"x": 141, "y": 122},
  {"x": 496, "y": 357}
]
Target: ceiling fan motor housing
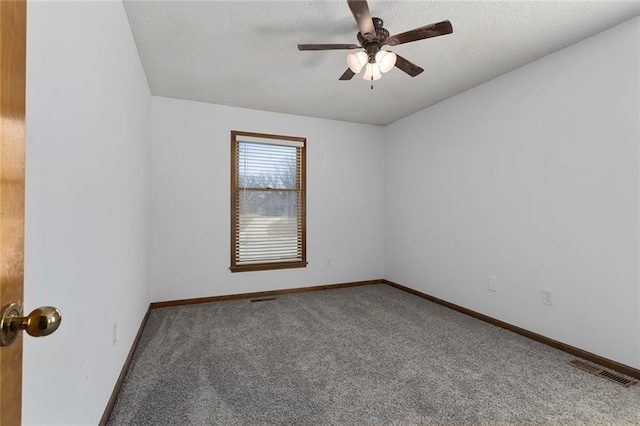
[{"x": 373, "y": 43}]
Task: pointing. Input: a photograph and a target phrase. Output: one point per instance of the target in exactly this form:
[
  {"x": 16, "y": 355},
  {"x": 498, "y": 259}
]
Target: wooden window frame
[{"x": 235, "y": 193}]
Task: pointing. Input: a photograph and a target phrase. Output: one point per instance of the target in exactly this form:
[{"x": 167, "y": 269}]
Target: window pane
[
  {"x": 268, "y": 225},
  {"x": 268, "y": 203},
  {"x": 266, "y": 166}
]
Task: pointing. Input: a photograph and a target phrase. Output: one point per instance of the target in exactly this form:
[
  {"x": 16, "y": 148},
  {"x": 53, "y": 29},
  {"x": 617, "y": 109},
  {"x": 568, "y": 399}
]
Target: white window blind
[{"x": 268, "y": 211}]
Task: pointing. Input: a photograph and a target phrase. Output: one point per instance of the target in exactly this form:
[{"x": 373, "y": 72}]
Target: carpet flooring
[{"x": 370, "y": 355}]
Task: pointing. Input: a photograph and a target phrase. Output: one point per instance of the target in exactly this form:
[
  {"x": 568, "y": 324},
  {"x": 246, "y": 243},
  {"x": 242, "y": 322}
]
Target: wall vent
[{"x": 596, "y": 371}]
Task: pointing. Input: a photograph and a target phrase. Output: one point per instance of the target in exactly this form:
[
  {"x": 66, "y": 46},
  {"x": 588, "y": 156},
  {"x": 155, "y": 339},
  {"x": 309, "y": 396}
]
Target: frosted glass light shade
[
  {"x": 372, "y": 70},
  {"x": 356, "y": 61},
  {"x": 386, "y": 60}
]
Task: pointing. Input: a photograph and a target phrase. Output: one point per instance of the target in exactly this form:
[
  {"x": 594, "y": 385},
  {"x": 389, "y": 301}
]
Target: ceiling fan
[{"x": 372, "y": 37}]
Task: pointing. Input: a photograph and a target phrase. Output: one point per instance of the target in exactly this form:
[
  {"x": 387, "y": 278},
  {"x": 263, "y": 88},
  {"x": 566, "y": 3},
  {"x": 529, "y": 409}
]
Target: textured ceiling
[{"x": 244, "y": 53}]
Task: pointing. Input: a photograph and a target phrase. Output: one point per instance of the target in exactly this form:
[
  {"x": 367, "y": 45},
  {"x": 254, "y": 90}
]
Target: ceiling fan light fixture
[
  {"x": 357, "y": 60},
  {"x": 386, "y": 60},
  {"x": 372, "y": 70}
]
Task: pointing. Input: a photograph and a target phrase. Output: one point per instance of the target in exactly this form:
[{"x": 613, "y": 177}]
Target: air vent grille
[
  {"x": 264, "y": 299},
  {"x": 602, "y": 373}
]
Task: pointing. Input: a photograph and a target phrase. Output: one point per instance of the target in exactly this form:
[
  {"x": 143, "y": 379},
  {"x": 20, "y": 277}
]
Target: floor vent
[
  {"x": 602, "y": 373},
  {"x": 264, "y": 299}
]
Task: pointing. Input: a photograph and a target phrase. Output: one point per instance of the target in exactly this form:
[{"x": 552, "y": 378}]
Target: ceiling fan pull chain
[{"x": 371, "y": 81}]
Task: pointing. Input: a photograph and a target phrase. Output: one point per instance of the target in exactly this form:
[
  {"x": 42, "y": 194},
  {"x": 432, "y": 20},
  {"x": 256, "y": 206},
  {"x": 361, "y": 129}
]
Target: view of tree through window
[{"x": 268, "y": 218}]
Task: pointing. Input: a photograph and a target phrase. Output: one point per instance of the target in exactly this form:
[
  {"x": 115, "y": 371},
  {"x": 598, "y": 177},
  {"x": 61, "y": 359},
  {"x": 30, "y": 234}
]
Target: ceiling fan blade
[
  {"x": 408, "y": 67},
  {"x": 428, "y": 31},
  {"x": 327, "y": 46},
  {"x": 360, "y": 10},
  {"x": 348, "y": 75}
]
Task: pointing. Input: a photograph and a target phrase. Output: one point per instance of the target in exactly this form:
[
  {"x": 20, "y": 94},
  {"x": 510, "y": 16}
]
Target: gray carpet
[{"x": 362, "y": 355}]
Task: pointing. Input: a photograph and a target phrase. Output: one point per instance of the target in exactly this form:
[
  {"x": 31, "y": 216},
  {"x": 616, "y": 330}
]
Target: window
[{"x": 268, "y": 220}]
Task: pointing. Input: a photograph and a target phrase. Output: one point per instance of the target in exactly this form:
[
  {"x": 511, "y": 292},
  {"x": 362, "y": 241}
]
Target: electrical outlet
[
  {"x": 547, "y": 296},
  {"x": 493, "y": 283},
  {"x": 115, "y": 333},
  {"x": 328, "y": 262}
]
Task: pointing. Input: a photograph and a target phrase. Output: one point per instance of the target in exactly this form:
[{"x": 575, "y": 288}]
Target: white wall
[
  {"x": 87, "y": 204},
  {"x": 531, "y": 177},
  {"x": 191, "y": 200}
]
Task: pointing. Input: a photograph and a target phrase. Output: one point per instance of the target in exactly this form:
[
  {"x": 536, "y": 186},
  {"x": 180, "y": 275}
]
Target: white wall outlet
[
  {"x": 493, "y": 283},
  {"x": 115, "y": 334},
  {"x": 328, "y": 262},
  {"x": 547, "y": 296}
]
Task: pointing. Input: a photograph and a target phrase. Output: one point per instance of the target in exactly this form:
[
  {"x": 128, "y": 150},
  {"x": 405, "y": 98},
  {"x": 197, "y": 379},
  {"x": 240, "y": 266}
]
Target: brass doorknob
[{"x": 39, "y": 323}]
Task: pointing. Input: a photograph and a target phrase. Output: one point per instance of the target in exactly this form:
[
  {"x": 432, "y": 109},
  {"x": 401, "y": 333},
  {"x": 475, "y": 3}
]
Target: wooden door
[{"x": 13, "y": 23}]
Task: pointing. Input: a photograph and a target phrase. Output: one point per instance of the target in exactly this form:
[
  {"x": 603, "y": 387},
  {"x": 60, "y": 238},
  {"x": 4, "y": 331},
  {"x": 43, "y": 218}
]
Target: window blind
[{"x": 268, "y": 217}]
